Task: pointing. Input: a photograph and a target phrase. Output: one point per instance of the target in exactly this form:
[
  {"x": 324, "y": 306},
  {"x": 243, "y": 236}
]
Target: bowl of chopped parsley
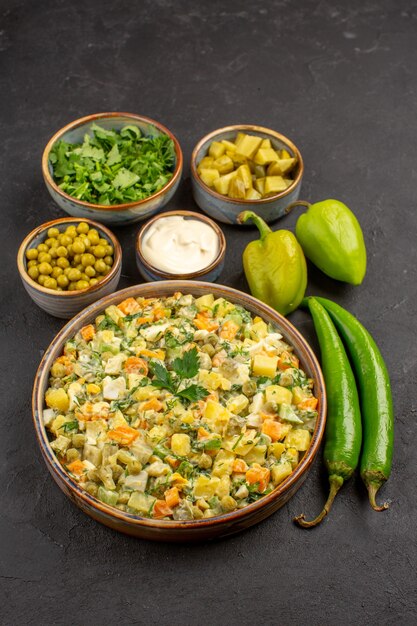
[{"x": 118, "y": 168}]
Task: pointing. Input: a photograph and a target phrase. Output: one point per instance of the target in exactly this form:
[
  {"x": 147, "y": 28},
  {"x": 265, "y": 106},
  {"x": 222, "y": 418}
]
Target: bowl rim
[
  {"x": 72, "y": 488},
  {"x": 76, "y": 292},
  {"x": 90, "y": 119},
  {"x": 172, "y": 276},
  {"x": 255, "y": 129}
]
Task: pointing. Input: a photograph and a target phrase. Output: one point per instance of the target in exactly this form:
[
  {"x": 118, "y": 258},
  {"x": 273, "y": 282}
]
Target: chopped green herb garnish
[
  {"x": 184, "y": 368},
  {"x": 113, "y": 167}
]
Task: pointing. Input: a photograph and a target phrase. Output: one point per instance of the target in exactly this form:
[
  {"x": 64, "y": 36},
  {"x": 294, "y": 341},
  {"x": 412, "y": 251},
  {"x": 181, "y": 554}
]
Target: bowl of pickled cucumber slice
[{"x": 246, "y": 166}]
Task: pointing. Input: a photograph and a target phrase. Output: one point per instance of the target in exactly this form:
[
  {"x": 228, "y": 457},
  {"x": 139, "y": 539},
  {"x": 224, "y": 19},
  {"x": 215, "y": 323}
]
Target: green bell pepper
[
  {"x": 332, "y": 239},
  {"x": 274, "y": 266}
]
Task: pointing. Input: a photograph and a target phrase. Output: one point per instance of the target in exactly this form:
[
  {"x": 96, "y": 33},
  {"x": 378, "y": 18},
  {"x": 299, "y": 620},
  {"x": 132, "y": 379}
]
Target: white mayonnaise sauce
[{"x": 180, "y": 246}]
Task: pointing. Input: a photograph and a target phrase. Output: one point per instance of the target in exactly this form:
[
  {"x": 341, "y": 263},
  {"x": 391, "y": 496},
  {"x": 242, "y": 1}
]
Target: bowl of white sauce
[{"x": 180, "y": 245}]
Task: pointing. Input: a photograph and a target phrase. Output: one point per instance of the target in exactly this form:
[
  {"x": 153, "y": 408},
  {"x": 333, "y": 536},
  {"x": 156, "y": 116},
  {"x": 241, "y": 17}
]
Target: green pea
[
  {"x": 72, "y": 286},
  {"x": 84, "y": 277},
  {"x": 103, "y": 242},
  {"x": 93, "y": 281},
  {"x": 78, "y": 247},
  {"x": 62, "y": 262},
  {"x": 77, "y": 259},
  {"x": 62, "y": 251},
  {"x": 57, "y": 271},
  {"x": 42, "y": 248},
  {"x": 100, "y": 266},
  {"x": 71, "y": 231},
  {"x": 45, "y": 268},
  {"x": 82, "y": 284},
  {"x": 109, "y": 250},
  {"x": 62, "y": 281},
  {"x": 42, "y": 278},
  {"x": 65, "y": 240},
  {"x": 99, "y": 251},
  {"x": 33, "y": 272},
  {"x": 51, "y": 242},
  {"x": 108, "y": 260},
  {"x": 32, "y": 263},
  {"x": 53, "y": 232},
  {"x": 31, "y": 254},
  {"x": 67, "y": 270},
  {"x": 50, "y": 283},
  {"x": 87, "y": 259},
  {"x": 53, "y": 252},
  {"x": 44, "y": 257},
  {"x": 86, "y": 242},
  {"x": 83, "y": 227},
  {"x": 74, "y": 274},
  {"x": 93, "y": 237},
  {"x": 90, "y": 271}
]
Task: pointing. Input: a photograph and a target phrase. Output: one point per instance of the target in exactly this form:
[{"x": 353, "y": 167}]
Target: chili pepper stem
[
  {"x": 262, "y": 226},
  {"x": 335, "y": 484},
  {"x": 373, "y": 486}
]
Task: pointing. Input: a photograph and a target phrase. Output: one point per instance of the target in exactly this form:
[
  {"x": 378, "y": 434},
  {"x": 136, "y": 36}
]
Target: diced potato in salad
[{"x": 179, "y": 408}]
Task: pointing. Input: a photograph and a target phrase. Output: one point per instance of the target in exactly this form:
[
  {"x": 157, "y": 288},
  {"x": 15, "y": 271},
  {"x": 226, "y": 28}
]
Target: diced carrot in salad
[
  {"x": 123, "y": 435},
  {"x": 135, "y": 365},
  {"x": 161, "y": 509},
  {"x": 309, "y": 404},
  {"x": 88, "y": 332},
  {"x": 129, "y": 306}
]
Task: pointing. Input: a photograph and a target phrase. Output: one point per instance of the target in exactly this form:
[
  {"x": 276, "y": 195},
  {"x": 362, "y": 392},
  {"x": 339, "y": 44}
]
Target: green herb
[
  {"x": 113, "y": 167},
  {"x": 188, "y": 365},
  {"x": 173, "y": 342},
  {"x": 210, "y": 444},
  {"x": 108, "y": 324},
  {"x": 163, "y": 379},
  {"x": 184, "y": 368},
  {"x": 70, "y": 426},
  {"x": 193, "y": 393}
]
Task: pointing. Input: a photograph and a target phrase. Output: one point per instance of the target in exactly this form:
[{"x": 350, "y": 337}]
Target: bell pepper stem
[
  {"x": 262, "y": 226},
  {"x": 292, "y": 206}
]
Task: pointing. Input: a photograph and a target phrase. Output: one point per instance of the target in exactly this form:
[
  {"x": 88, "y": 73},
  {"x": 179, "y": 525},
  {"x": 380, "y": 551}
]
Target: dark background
[{"x": 339, "y": 79}]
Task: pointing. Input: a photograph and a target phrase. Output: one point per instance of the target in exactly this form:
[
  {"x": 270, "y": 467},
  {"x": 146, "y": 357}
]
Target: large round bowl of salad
[{"x": 179, "y": 410}]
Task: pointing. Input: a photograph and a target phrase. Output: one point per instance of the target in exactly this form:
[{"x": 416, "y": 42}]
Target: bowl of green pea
[{"x": 68, "y": 263}]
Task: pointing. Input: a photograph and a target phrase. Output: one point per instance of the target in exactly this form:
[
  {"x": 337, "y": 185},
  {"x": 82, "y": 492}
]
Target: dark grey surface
[{"x": 340, "y": 80}]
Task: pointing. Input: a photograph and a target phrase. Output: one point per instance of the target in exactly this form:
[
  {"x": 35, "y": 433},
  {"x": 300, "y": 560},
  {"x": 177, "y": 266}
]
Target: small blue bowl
[
  {"x": 118, "y": 214},
  {"x": 66, "y": 304},
  {"x": 208, "y": 274},
  {"x": 226, "y": 209}
]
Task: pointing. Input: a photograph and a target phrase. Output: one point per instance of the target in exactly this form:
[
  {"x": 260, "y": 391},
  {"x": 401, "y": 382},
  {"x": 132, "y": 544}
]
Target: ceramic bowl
[
  {"x": 226, "y": 209},
  {"x": 119, "y": 214},
  {"x": 192, "y": 530},
  {"x": 66, "y": 304},
  {"x": 208, "y": 274}
]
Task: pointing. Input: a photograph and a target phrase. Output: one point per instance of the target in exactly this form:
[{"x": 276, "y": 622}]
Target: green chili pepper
[
  {"x": 343, "y": 425},
  {"x": 375, "y": 398},
  {"x": 332, "y": 239},
  {"x": 275, "y": 266}
]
